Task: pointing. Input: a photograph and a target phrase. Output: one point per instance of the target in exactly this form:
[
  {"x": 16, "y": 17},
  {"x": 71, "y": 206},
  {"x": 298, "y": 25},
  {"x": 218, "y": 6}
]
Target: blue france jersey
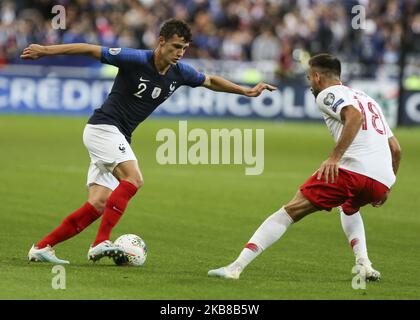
[{"x": 139, "y": 88}]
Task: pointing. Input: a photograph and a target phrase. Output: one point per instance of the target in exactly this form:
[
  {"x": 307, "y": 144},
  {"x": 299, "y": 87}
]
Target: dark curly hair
[{"x": 178, "y": 27}]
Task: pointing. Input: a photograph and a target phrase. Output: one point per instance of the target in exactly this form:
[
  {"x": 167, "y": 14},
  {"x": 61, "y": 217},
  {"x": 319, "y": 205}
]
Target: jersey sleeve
[
  {"x": 122, "y": 57},
  {"x": 191, "y": 77},
  {"x": 333, "y": 99}
]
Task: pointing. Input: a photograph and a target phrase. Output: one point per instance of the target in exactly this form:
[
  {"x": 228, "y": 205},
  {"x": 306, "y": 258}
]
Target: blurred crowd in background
[{"x": 284, "y": 31}]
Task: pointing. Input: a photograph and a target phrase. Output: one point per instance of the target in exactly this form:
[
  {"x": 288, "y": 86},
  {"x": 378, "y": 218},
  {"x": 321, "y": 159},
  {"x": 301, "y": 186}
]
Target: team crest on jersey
[
  {"x": 329, "y": 99},
  {"x": 172, "y": 88},
  {"x": 114, "y": 51},
  {"x": 156, "y": 92}
]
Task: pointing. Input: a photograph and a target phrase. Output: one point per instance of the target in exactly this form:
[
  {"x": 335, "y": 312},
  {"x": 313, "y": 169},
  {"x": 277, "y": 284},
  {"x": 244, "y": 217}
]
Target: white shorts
[{"x": 107, "y": 148}]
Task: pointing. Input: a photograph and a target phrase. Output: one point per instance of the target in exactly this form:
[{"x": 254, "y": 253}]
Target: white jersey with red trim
[{"x": 369, "y": 153}]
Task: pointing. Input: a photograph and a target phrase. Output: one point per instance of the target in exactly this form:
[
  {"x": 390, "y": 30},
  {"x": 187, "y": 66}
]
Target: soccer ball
[{"x": 135, "y": 250}]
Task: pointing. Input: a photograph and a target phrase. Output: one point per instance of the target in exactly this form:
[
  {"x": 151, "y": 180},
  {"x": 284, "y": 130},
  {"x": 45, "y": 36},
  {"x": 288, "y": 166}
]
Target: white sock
[
  {"x": 269, "y": 232},
  {"x": 355, "y": 231}
]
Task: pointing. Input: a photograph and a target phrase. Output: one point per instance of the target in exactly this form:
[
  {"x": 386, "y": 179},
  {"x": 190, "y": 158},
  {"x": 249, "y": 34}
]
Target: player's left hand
[
  {"x": 328, "y": 169},
  {"x": 256, "y": 91}
]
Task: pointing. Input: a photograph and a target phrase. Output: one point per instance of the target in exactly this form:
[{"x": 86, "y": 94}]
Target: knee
[
  {"x": 98, "y": 203},
  {"x": 299, "y": 207},
  {"x": 137, "y": 181}
]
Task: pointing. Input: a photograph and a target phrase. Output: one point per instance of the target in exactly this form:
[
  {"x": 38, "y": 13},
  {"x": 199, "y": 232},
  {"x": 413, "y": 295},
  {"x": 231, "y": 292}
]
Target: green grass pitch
[{"x": 194, "y": 218}]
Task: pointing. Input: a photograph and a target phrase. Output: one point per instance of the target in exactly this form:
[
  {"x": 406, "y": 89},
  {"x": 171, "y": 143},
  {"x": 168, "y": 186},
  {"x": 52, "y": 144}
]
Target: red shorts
[{"x": 351, "y": 191}]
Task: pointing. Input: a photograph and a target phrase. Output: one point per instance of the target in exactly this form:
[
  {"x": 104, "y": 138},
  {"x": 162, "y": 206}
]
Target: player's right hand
[
  {"x": 328, "y": 170},
  {"x": 33, "y": 51},
  {"x": 258, "y": 89}
]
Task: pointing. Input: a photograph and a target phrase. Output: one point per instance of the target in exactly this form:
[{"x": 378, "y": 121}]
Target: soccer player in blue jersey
[{"x": 146, "y": 78}]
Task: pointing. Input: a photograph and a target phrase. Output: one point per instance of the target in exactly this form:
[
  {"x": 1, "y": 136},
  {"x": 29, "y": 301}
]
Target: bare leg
[
  {"x": 299, "y": 207},
  {"x": 98, "y": 196},
  {"x": 130, "y": 172}
]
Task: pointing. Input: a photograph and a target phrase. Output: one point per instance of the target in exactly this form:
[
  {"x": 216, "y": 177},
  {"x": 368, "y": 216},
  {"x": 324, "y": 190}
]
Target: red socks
[
  {"x": 71, "y": 225},
  {"x": 114, "y": 209},
  {"x": 87, "y": 214}
]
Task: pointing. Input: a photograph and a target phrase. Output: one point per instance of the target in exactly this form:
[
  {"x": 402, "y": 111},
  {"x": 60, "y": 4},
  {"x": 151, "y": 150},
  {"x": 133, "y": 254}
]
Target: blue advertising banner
[
  {"x": 23, "y": 94},
  {"x": 292, "y": 101},
  {"x": 60, "y": 95},
  {"x": 288, "y": 102},
  {"x": 410, "y": 114}
]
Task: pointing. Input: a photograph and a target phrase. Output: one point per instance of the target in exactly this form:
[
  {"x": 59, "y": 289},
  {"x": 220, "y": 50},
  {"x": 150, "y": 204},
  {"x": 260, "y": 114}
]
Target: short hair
[
  {"x": 178, "y": 27},
  {"x": 326, "y": 63}
]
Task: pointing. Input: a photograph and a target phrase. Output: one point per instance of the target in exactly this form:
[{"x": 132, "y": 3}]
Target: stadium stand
[{"x": 282, "y": 31}]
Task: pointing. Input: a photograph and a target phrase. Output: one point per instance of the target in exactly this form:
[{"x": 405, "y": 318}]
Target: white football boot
[
  {"x": 104, "y": 249},
  {"x": 46, "y": 254},
  {"x": 228, "y": 272},
  {"x": 370, "y": 273}
]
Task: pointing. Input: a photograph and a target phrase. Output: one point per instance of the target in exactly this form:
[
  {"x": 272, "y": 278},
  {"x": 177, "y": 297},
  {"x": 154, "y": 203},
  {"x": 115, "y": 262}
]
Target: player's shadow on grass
[{"x": 101, "y": 265}]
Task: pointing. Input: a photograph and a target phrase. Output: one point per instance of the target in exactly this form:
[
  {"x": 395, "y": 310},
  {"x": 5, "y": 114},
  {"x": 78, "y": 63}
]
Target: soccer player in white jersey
[{"x": 360, "y": 169}]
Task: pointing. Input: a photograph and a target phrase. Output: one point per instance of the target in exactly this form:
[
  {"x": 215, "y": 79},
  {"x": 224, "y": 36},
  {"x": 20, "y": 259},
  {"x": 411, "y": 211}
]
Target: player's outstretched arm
[
  {"x": 36, "y": 51},
  {"x": 217, "y": 83}
]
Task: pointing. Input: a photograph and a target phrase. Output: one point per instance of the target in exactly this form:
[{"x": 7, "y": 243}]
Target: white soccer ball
[{"x": 135, "y": 250}]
